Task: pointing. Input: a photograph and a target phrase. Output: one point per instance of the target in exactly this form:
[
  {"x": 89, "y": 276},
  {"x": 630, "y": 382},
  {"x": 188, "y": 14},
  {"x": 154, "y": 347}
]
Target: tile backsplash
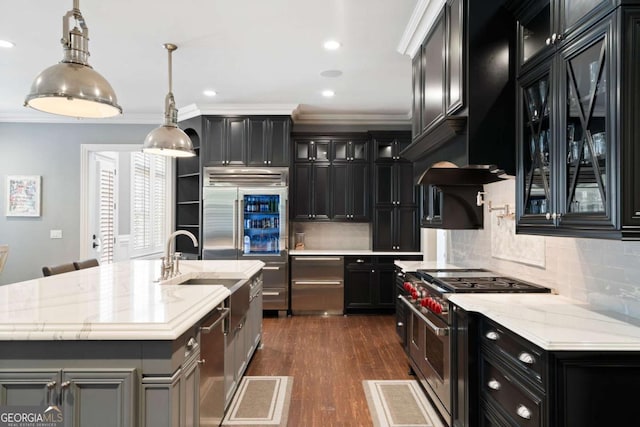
[
  {"x": 333, "y": 235},
  {"x": 604, "y": 273}
]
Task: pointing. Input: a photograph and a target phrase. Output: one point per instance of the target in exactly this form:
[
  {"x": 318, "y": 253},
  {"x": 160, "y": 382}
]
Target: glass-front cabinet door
[
  {"x": 546, "y": 25},
  {"x": 567, "y": 138},
  {"x": 585, "y": 89},
  {"x": 537, "y": 150}
]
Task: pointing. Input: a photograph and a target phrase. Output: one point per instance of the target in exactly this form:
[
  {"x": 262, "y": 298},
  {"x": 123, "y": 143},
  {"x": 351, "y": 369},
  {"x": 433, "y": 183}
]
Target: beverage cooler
[{"x": 245, "y": 217}]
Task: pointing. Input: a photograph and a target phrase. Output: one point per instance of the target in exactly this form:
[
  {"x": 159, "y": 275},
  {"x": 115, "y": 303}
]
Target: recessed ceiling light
[
  {"x": 331, "y": 73},
  {"x": 332, "y": 44},
  {"x": 328, "y": 93},
  {"x": 209, "y": 92},
  {"x": 6, "y": 43}
]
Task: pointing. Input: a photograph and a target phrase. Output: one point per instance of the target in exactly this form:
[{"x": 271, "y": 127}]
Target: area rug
[
  {"x": 399, "y": 403},
  {"x": 260, "y": 401}
]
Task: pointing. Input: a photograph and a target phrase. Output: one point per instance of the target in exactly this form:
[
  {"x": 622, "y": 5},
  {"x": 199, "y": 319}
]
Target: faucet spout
[
  {"x": 172, "y": 237},
  {"x": 168, "y": 261}
]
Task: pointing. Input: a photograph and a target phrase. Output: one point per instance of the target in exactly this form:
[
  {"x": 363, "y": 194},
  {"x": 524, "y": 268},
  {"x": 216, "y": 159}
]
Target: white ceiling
[{"x": 252, "y": 52}]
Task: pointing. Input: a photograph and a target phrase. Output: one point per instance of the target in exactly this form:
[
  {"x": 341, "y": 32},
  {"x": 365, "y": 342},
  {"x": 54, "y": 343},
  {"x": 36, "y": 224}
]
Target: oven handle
[{"x": 436, "y": 330}]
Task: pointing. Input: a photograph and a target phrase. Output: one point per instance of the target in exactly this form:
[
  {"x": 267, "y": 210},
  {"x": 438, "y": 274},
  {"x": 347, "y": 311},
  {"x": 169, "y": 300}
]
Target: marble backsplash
[
  {"x": 332, "y": 235},
  {"x": 604, "y": 273}
]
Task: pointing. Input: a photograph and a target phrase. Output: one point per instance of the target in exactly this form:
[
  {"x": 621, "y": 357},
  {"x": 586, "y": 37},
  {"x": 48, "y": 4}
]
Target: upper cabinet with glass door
[
  {"x": 546, "y": 24},
  {"x": 578, "y": 126}
]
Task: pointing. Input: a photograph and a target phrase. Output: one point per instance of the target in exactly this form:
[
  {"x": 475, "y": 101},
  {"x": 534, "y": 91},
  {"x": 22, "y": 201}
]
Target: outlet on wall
[{"x": 55, "y": 234}]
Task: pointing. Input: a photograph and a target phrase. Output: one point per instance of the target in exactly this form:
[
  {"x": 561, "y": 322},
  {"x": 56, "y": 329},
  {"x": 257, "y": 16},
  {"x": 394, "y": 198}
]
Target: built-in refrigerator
[{"x": 245, "y": 214}]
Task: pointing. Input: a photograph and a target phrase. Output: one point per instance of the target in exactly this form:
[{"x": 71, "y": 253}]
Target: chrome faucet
[{"x": 169, "y": 265}]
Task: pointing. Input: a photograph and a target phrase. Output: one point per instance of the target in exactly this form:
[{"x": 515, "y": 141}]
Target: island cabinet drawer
[
  {"x": 526, "y": 357},
  {"x": 521, "y": 404}
]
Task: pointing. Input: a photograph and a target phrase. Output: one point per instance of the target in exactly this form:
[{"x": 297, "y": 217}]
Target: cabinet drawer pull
[
  {"x": 527, "y": 358},
  {"x": 523, "y": 412},
  {"x": 493, "y": 384},
  {"x": 493, "y": 335},
  {"x": 359, "y": 260},
  {"x": 400, "y": 324}
]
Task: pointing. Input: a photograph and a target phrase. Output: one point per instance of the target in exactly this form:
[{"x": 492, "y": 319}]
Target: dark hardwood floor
[{"x": 329, "y": 357}]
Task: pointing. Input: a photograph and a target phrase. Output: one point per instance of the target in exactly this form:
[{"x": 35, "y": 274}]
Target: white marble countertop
[
  {"x": 554, "y": 322},
  {"x": 117, "y": 301},
  {"x": 348, "y": 252}
]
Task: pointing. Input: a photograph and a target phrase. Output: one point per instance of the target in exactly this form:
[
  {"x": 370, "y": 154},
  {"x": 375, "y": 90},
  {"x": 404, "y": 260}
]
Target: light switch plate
[{"x": 55, "y": 234}]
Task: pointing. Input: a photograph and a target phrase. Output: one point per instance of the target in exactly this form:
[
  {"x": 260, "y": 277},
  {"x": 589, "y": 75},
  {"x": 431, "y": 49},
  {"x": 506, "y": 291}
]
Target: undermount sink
[{"x": 231, "y": 284}]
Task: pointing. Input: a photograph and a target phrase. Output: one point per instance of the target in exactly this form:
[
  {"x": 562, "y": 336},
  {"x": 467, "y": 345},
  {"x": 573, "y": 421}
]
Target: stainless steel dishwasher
[
  {"x": 317, "y": 285},
  {"x": 212, "y": 343}
]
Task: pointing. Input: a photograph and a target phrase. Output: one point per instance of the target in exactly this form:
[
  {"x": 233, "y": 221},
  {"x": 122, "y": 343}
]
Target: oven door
[{"x": 430, "y": 353}]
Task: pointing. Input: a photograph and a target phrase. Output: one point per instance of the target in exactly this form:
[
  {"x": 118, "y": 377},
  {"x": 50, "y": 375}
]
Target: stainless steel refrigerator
[{"x": 245, "y": 216}]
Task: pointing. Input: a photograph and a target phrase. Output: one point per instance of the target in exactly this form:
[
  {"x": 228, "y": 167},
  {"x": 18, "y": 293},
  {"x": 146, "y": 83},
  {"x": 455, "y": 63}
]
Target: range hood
[
  {"x": 450, "y": 195},
  {"x": 448, "y": 174}
]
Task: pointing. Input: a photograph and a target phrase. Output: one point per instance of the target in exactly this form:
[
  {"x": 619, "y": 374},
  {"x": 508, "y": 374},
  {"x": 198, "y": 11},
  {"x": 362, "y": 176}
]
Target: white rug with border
[
  {"x": 260, "y": 401},
  {"x": 399, "y": 403}
]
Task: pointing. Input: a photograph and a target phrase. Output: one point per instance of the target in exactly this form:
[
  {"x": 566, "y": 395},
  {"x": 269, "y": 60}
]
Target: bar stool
[
  {"x": 87, "y": 263},
  {"x": 57, "y": 269}
]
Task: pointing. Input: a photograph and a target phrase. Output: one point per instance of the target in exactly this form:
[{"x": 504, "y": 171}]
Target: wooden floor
[{"x": 328, "y": 358}]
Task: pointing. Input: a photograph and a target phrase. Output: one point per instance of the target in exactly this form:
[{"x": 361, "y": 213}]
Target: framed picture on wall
[{"x": 23, "y": 195}]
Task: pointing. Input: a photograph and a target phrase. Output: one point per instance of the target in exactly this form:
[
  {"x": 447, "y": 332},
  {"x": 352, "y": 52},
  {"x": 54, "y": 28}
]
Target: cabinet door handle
[
  {"x": 400, "y": 324},
  {"x": 493, "y": 384},
  {"x": 523, "y": 412},
  {"x": 493, "y": 335},
  {"x": 527, "y": 358}
]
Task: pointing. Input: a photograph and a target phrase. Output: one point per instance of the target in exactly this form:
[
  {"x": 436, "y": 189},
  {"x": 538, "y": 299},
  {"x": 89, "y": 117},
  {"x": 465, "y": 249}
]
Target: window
[{"x": 148, "y": 203}]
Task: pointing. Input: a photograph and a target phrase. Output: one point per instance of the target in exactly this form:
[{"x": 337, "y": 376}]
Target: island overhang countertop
[{"x": 119, "y": 301}]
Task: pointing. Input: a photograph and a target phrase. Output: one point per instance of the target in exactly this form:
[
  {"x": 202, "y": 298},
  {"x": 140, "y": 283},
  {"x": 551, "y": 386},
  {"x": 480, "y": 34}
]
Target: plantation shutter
[
  {"x": 149, "y": 201},
  {"x": 107, "y": 214}
]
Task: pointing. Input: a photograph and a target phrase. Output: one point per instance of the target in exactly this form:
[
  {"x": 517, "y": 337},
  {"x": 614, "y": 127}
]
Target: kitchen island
[{"x": 110, "y": 345}]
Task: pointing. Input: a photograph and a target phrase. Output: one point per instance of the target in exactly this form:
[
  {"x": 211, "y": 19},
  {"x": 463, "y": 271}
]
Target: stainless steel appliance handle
[
  {"x": 270, "y": 294},
  {"x": 271, "y": 268},
  {"x": 318, "y": 282},
  {"x": 236, "y": 229},
  {"x": 318, "y": 258},
  {"x": 436, "y": 330},
  {"x": 224, "y": 313}
]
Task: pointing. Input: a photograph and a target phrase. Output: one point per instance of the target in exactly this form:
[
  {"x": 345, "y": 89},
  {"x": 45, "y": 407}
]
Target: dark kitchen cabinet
[
  {"x": 350, "y": 180},
  {"x": 545, "y": 25},
  {"x": 269, "y": 141},
  {"x": 395, "y": 219},
  {"x": 350, "y": 191},
  {"x": 311, "y": 196},
  {"x": 438, "y": 70},
  {"x": 247, "y": 141},
  {"x": 524, "y": 385},
  {"x": 187, "y": 191},
  {"x": 464, "y": 88},
  {"x": 226, "y": 141},
  {"x": 432, "y": 60},
  {"x": 369, "y": 283},
  {"x": 341, "y": 167},
  {"x": 576, "y": 136}
]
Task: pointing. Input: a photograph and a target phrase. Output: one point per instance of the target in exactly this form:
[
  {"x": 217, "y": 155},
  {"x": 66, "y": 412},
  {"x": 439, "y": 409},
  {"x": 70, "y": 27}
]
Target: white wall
[
  {"x": 53, "y": 152},
  {"x": 603, "y": 272}
]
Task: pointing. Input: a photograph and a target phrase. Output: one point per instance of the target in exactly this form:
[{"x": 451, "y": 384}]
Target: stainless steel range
[{"x": 424, "y": 322}]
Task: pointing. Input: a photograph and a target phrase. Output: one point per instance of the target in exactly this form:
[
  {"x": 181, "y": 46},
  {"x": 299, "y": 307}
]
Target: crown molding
[
  {"x": 352, "y": 119},
  {"x": 194, "y": 110},
  {"x": 422, "y": 19}
]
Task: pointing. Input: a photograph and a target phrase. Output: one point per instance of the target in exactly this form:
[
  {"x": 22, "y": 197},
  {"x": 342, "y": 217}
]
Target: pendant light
[
  {"x": 169, "y": 139},
  {"x": 72, "y": 87}
]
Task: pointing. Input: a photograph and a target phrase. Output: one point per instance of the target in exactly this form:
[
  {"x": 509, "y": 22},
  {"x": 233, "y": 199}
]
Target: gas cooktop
[{"x": 476, "y": 280}]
